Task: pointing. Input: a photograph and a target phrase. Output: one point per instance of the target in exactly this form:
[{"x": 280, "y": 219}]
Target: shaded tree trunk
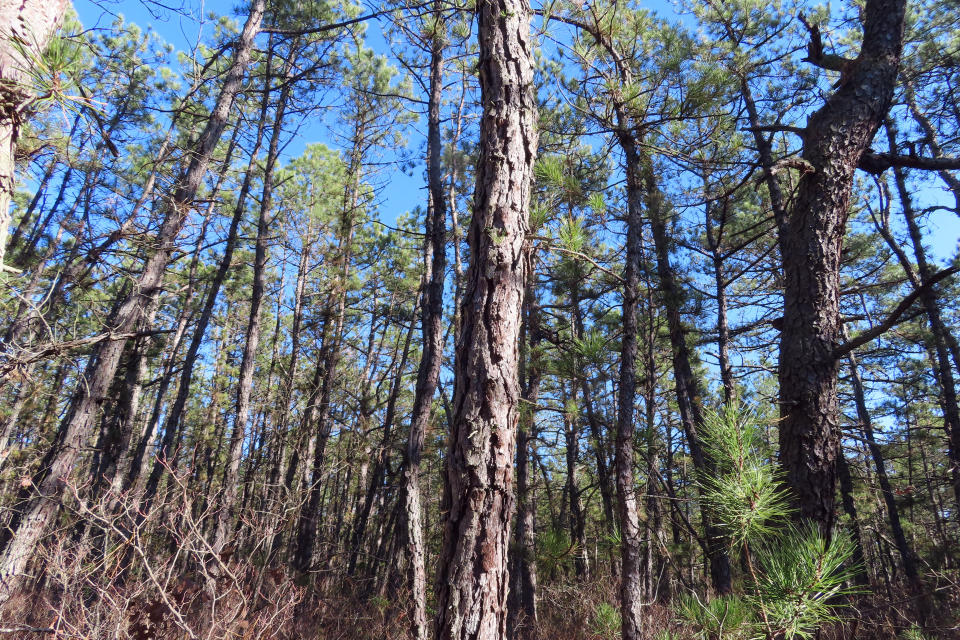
[
  {"x": 811, "y": 239},
  {"x": 524, "y": 566}
]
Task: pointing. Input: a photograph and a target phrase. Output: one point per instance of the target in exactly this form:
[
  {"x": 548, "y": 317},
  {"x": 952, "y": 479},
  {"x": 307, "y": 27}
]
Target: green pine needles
[{"x": 796, "y": 577}]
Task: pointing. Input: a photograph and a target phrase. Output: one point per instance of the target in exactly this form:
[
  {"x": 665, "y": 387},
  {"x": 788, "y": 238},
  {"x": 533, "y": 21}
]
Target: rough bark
[
  {"x": 472, "y": 578},
  {"x": 810, "y": 241},
  {"x": 631, "y": 551}
]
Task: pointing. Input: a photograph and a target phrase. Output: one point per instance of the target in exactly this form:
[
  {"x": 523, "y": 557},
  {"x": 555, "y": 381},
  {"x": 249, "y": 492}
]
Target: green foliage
[
  {"x": 555, "y": 549},
  {"x": 724, "y": 618},
  {"x": 913, "y": 633},
  {"x": 549, "y": 171},
  {"x": 591, "y": 347},
  {"x": 606, "y": 621},
  {"x": 572, "y": 234},
  {"x": 744, "y": 494},
  {"x": 801, "y": 574},
  {"x": 797, "y": 575}
]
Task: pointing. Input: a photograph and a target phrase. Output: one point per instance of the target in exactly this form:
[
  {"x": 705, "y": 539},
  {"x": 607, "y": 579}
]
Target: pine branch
[{"x": 894, "y": 317}]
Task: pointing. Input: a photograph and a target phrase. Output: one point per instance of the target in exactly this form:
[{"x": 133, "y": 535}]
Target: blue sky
[{"x": 403, "y": 192}]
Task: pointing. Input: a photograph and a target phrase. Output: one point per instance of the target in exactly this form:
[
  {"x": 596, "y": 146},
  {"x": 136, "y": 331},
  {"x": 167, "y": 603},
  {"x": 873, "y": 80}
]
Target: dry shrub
[{"x": 125, "y": 568}]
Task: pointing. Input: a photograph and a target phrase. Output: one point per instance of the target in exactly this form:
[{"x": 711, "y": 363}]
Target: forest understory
[{"x": 480, "y": 320}]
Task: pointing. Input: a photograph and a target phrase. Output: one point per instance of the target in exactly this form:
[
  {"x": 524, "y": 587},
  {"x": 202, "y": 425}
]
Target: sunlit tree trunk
[
  {"x": 35, "y": 509},
  {"x": 473, "y": 578}
]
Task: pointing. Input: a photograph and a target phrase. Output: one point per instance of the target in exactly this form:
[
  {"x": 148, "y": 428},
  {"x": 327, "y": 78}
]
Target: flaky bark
[
  {"x": 472, "y": 578},
  {"x": 811, "y": 239}
]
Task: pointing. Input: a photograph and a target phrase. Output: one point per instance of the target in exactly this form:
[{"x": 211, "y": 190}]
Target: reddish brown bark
[{"x": 472, "y": 578}]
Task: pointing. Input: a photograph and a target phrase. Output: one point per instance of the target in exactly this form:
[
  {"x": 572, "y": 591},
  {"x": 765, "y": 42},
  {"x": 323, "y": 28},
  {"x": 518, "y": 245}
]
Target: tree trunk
[
  {"x": 524, "y": 579},
  {"x": 36, "y": 508},
  {"x": 907, "y": 555},
  {"x": 631, "y": 552},
  {"x": 306, "y": 532},
  {"x": 689, "y": 386},
  {"x": 941, "y": 338},
  {"x": 428, "y": 373},
  {"x": 811, "y": 239},
  {"x": 252, "y": 338},
  {"x": 472, "y": 578}
]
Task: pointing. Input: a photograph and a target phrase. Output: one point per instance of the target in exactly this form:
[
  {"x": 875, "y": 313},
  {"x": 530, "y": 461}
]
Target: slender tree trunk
[
  {"x": 306, "y": 532},
  {"x": 36, "y": 506},
  {"x": 472, "y": 578},
  {"x": 593, "y": 421},
  {"x": 689, "y": 386},
  {"x": 381, "y": 460},
  {"x": 428, "y": 373},
  {"x": 27, "y": 216},
  {"x": 893, "y": 511},
  {"x": 941, "y": 337},
  {"x": 524, "y": 567},
  {"x": 948, "y": 177},
  {"x": 846, "y": 494},
  {"x": 252, "y": 342},
  {"x": 714, "y": 238},
  {"x": 575, "y": 522},
  {"x": 631, "y": 551}
]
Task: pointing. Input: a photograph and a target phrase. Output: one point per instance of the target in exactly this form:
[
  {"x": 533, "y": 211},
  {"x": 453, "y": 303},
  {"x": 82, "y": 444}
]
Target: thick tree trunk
[
  {"x": 811, "y": 239},
  {"x": 37, "y": 505},
  {"x": 472, "y": 578}
]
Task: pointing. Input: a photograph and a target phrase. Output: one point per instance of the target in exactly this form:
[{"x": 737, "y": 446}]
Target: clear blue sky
[{"x": 403, "y": 193}]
